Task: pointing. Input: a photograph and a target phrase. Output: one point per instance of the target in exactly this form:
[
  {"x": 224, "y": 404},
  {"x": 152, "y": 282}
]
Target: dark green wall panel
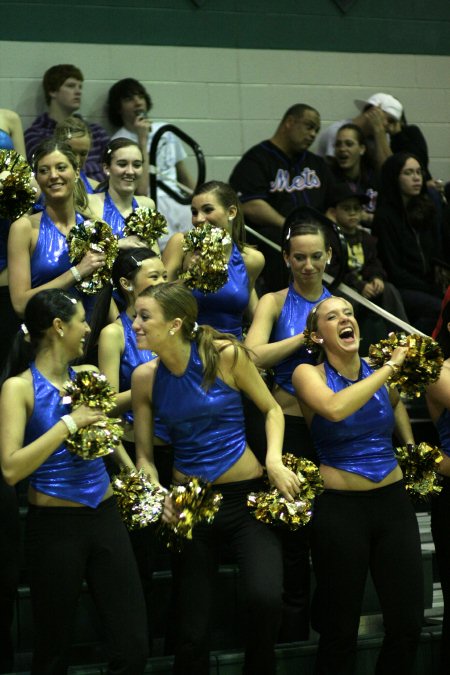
[{"x": 386, "y": 26}]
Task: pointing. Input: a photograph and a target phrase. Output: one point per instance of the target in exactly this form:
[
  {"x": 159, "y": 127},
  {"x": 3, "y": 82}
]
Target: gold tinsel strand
[
  {"x": 194, "y": 502},
  {"x": 273, "y": 509},
  {"x": 421, "y": 366},
  {"x": 17, "y": 195},
  {"x": 93, "y": 235},
  {"x": 140, "y": 502},
  {"x": 96, "y": 440},
  {"x": 146, "y": 224},
  {"x": 419, "y": 464},
  {"x": 208, "y": 271}
]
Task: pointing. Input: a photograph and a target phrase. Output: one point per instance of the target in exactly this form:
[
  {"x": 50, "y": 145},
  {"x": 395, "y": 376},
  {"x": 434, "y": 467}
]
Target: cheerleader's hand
[
  {"x": 284, "y": 480},
  {"x": 132, "y": 241},
  {"x": 149, "y": 468},
  {"x": 169, "y": 514},
  {"x": 83, "y": 416}
]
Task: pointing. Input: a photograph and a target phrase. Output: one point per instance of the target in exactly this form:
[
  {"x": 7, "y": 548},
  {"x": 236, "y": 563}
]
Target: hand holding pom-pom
[
  {"x": 146, "y": 224},
  {"x": 93, "y": 235},
  {"x": 92, "y": 389},
  {"x": 421, "y": 366},
  {"x": 273, "y": 509},
  {"x": 17, "y": 195},
  {"x": 193, "y": 502},
  {"x": 208, "y": 270},
  {"x": 419, "y": 464},
  {"x": 140, "y": 502}
]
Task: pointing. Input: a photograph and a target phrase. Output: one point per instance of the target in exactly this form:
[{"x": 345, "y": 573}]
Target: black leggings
[
  {"x": 259, "y": 557},
  {"x": 9, "y": 571},
  {"x": 64, "y": 546},
  {"x": 440, "y": 513},
  {"x": 354, "y": 532}
]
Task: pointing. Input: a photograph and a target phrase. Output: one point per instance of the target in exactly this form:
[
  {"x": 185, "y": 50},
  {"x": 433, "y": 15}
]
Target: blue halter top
[
  {"x": 292, "y": 321},
  {"x": 88, "y": 187},
  {"x": 6, "y": 143},
  {"x": 112, "y": 215},
  {"x": 63, "y": 474},
  {"x": 443, "y": 428},
  {"x": 206, "y": 427},
  {"x": 224, "y": 309},
  {"x": 362, "y": 442},
  {"x": 50, "y": 258}
]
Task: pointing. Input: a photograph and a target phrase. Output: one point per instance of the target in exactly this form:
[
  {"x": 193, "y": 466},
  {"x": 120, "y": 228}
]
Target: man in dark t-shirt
[{"x": 276, "y": 176}]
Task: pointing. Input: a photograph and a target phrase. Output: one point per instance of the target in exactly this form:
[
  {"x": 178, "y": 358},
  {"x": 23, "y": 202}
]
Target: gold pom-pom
[
  {"x": 421, "y": 366},
  {"x": 93, "y": 235},
  {"x": 419, "y": 464},
  {"x": 194, "y": 502},
  {"x": 273, "y": 509},
  {"x": 146, "y": 224},
  {"x": 17, "y": 195},
  {"x": 99, "y": 439},
  {"x": 208, "y": 270},
  {"x": 140, "y": 502}
]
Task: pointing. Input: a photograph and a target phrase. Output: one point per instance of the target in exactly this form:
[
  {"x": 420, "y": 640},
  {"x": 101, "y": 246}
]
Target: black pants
[
  {"x": 258, "y": 555},
  {"x": 296, "y": 546},
  {"x": 440, "y": 512},
  {"x": 64, "y": 546},
  {"x": 9, "y": 571},
  {"x": 352, "y": 533}
]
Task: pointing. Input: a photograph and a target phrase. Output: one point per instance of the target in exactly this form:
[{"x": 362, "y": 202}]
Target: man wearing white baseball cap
[{"x": 379, "y": 115}]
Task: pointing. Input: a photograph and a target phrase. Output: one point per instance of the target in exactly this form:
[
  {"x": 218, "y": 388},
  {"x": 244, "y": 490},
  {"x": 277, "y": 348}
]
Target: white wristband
[
  {"x": 76, "y": 273},
  {"x": 70, "y": 424}
]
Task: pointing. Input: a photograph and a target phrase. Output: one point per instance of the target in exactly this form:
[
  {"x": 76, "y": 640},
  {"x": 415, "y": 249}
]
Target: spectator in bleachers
[
  {"x": 278, "y": 175},
  {"x": 405, "y": 225},
  {"x": 76, "y": 133},
  {"x": 364, "y": 271},
  {"x": 438, "y": 401},
  {"x": 63, "y": 86},
  {"x": 379, "y": 114},
  {"x": 351, "y": 164},
  {"x": 364, "y": 520},
  {"x": 129, "y": 105},
  {"x": 74, "y": 531},
  {"x": 195, "y": 388}
]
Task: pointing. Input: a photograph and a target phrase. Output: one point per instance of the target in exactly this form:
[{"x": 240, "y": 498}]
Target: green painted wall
[{"x": 385, "y": 26}]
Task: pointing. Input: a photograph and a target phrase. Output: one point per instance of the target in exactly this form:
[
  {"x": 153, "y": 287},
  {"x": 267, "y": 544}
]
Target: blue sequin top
[
  {"x": 206, "y": 427},
  {"x": 362, "y": 442},
  {"x": 443, "y": 427},
  {"x": 6, "y": 143},
  {"x": 292, "y": 321},
  {"x": 63, "y": 474},
  {"x": 112, "y": 215},
  {"x": 224, "y": 309}
]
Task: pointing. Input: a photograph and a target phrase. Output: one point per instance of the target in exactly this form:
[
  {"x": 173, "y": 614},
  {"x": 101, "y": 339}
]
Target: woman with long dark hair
[
  {"x": 408, "y": 238},
  {"x": 74, "y": 530}
]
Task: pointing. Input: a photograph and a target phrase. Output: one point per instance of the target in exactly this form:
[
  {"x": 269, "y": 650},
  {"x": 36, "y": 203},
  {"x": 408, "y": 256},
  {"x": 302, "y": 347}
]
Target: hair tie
[
  {"x": 24, "y": 329},
  {"x": 194, "y": 329},
  {"x": 288, "y": 234},
  {"x": 69, "y": 298}
]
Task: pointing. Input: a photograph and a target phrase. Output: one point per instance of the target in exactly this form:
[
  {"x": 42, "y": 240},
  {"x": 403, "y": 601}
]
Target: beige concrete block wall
[{"x": 229, "y": 99}]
